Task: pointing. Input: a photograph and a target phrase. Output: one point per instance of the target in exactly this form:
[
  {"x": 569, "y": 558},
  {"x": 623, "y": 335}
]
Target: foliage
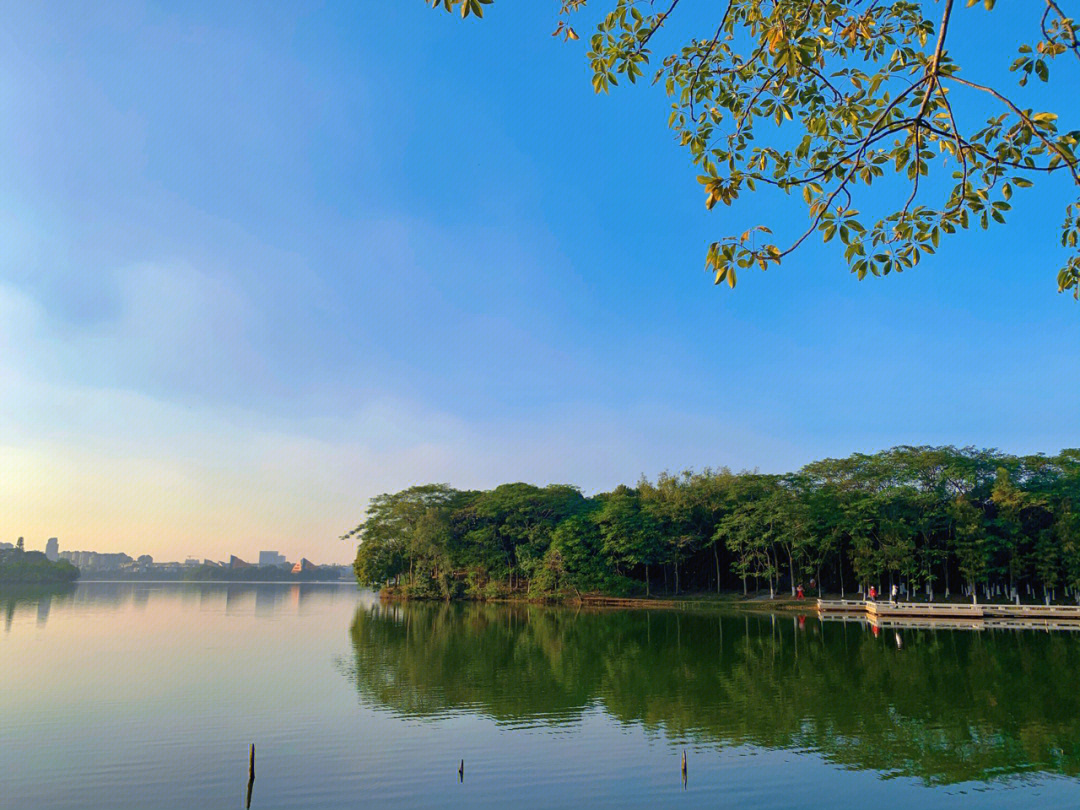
[
  {"x": 34, "y": 567},
  {"x": 930, "y": 519},
  {"x": 825, "y": 99}
]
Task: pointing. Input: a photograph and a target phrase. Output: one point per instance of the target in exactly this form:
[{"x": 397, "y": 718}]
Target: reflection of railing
[
  {"x": 923, "y": 609},
  {"x": 841, "y": 605},
  {"x": 1071, "y": 611}
]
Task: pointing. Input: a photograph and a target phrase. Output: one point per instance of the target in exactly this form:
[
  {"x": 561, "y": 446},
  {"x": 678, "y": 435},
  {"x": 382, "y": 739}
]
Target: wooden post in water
[
  {"x": 461, "y": 771},
  {"x": 684, "y": 769},
  {"x": 251, "y": 776}
]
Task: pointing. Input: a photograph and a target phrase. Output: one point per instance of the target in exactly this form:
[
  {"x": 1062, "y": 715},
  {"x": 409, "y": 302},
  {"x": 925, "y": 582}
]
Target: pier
[{"x": 950, "y": 614}]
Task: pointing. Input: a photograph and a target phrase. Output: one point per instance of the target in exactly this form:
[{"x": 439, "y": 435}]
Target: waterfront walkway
[{"x": 942, "y": 614}]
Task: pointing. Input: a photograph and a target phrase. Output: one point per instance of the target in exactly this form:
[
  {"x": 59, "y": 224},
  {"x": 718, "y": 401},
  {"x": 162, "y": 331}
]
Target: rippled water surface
[{"x": 147, "y": 695}]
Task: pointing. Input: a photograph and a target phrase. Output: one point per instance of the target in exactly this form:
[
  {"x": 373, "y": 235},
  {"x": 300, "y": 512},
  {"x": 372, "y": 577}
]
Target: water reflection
[
  {"x": 264, "y": 599},
  {"x": 36, "y": 598},
  {"x": 944, "y": 706}
]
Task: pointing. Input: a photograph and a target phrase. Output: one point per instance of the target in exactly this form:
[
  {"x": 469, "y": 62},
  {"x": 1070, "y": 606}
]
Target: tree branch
[{"x": 1070, "y": 162}]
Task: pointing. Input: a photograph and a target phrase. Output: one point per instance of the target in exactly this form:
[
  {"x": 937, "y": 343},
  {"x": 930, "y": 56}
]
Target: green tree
[
  {"x": 629, "y": 534},
  {"x": 398, "y": 532},
  {"x": 969, "y": 543},
  {"x": 1067, "y": 535},
  {"x": 751, "y": 531}
]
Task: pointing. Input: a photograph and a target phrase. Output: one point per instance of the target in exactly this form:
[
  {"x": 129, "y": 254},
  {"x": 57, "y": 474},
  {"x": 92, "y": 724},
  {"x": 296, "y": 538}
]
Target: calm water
[{"x": 147, "y": 696}]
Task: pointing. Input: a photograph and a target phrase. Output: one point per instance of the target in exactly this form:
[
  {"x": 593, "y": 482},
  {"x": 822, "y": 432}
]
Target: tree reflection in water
[{"x": 946, "y": 706}]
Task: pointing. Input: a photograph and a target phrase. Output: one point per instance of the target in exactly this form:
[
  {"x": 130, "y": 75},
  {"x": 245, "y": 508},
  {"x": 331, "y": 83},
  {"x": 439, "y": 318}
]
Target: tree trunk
[
  {"x": 647, "y": 579},
  {"x": 716, "y": 557},
  {"x": 791, "y": 571}
]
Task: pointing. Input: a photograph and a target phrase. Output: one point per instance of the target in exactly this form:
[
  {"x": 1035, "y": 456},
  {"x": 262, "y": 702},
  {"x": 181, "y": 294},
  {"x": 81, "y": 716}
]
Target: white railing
[
  {"x": 887, "y": 608},
  {"x": 841, "y": 604}
]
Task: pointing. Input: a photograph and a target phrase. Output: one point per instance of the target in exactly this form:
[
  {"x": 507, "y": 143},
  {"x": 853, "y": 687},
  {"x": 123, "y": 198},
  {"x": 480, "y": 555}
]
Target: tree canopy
[
  {"x": 825, "y": 99},
  {"x": 933, "y": 520}
]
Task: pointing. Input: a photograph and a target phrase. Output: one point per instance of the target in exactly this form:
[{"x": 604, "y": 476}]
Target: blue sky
[{"x": 258, "y": 264}]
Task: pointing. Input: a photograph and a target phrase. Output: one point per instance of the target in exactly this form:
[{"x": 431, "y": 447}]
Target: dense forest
[{"x": 939, "y": 522}]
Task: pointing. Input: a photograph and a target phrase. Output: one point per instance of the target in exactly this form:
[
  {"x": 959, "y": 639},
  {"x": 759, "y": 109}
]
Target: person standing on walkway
[{"x": 895, "y": 593}]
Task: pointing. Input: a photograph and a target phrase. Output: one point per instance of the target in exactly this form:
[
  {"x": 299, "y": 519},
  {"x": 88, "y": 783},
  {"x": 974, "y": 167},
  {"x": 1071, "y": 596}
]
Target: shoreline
[{"x": 690, "y": 601}]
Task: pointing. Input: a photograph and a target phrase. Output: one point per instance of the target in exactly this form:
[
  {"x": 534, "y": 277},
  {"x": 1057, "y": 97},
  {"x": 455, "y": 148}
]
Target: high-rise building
[
  {"x": 270, "y": 558},
  {"x": 52, "y": 549}
]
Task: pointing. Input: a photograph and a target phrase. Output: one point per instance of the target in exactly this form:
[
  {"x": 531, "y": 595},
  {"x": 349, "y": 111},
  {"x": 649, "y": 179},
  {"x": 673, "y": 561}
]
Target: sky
[{"x": 261, "y": 262}]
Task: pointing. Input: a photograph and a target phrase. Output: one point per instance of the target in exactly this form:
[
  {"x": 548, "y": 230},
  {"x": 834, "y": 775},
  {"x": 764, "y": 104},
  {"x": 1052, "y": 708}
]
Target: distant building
[
  {"x": 270, "y": 558},
  {"x": 52, "y": 549},
  {"x": 305, "y": 565},
  {"x": 6, "y": 546},
  {"x": 191, "y": 562},
  {"x": 236, "y": 562},
  {"x": 93, "y": 561}
]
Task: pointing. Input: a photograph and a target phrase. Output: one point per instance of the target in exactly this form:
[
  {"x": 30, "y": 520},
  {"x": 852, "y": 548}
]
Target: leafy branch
[{"x": 825, "y": 97}]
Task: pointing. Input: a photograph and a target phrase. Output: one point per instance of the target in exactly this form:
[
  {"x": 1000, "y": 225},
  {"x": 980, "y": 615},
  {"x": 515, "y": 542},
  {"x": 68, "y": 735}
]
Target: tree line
[{"x": 935, "y": 521}]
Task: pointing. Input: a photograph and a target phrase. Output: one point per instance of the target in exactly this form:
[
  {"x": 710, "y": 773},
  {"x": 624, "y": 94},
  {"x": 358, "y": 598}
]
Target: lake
[{"x": 147, "y": 695}]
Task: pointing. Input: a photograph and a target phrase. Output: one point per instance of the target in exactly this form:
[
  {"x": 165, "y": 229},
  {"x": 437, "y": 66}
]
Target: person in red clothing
[
  {"x": 872, "y": 593},
  {"x": 799, "y": 593}
]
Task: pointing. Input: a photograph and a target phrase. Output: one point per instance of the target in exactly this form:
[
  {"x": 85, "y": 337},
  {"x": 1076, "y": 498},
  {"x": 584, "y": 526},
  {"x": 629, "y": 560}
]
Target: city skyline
[{"x": 264, "y": 557}]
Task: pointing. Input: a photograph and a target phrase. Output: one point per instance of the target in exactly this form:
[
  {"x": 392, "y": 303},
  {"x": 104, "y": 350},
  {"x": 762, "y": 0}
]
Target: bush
[
  {"x": 494, "y": 590},
  {"x": 420, "y": 587},
  {"x": 450, "y": 587}
]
